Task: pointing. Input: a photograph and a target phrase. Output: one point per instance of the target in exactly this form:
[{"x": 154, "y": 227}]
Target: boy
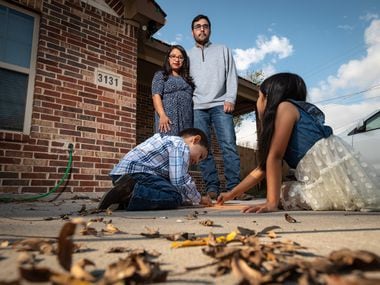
[{"x": 154, "y": 175}]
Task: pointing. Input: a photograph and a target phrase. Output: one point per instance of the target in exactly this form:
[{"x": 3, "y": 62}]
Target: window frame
[{"x": 30, "y": 72}]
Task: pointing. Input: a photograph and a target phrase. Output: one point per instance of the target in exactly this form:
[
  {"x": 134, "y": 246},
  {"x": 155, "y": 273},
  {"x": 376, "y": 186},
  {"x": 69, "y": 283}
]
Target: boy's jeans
[
  {"x": 153, "y": 192},
  {"x": 225, "y": 133}
]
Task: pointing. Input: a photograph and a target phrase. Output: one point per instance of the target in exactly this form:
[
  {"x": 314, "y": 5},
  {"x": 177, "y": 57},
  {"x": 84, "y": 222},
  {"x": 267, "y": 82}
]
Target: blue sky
[{"x": 333, "y": 44}]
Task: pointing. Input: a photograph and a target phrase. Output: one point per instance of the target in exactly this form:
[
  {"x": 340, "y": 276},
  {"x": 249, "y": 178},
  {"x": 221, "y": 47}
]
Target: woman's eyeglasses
[{"x": 174, "y": 57}]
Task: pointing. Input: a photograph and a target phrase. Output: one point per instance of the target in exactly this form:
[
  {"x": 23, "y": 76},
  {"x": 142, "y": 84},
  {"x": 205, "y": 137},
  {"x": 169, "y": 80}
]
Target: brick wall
[{"x": 68, "y": 107}]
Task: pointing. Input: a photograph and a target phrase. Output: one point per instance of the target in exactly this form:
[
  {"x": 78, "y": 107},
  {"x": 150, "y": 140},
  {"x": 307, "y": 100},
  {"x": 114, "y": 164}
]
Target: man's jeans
[
  {"x": 225, "y": 133},
  {"x": 153, "y": 192}
]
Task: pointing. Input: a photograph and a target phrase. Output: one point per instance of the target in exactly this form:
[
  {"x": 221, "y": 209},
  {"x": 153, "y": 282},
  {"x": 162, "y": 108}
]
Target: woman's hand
[
  {"x": 223, "y": 197},
  {"x": 164, "y": 124},
  {"x": 261, "y": 208}
]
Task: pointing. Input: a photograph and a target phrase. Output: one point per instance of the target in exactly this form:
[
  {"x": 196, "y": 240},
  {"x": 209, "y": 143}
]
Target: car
[{"x": 364, "y": 137}]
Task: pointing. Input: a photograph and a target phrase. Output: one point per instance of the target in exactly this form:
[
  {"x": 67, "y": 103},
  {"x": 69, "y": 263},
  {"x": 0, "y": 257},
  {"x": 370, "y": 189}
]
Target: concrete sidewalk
[{"x": 320, "y": 232}]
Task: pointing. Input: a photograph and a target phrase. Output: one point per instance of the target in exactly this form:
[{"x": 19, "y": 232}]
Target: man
[{"x": 214, "y": 73}]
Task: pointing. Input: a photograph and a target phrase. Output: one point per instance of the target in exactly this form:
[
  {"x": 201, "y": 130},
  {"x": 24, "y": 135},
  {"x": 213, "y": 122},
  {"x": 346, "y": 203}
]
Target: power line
[{"x": 348, "y": 95}]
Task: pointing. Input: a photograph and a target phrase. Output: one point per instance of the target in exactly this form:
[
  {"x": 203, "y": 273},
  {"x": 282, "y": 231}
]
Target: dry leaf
[
  {"x": 267, "y": 229},
  {"x": 26, "y": 257},
  {"x": 180, "y": 236},
  {"x": 111, "y": 229},
  {"x": 78, "y": 270},
  {"x": 289, "y": 218},
  {"x": 135, "y": 269},
  {"x": 351, "y": 280},
  {"x": 246, "y": 232},
  {"x": 96, "y": 220},
  {"x": 272, "y": 234},
  {"x": 4, "y": 244},
  {"x": 359, "y": 259},
  {"x": 65, "y": 243},
  {"x": 119, "y": 249},
  {"x": 89, "y": 231},
  {"x": 35, "y": 244},
  {"x": 152, "y": 233},
  {"x": 207, "y": 223},
  {"x": 34, "y": 274},
  {"x": 243, "y": 271}
]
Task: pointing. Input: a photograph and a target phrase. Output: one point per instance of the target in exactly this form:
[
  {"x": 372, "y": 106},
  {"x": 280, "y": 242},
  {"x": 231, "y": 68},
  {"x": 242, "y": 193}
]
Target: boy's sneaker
[{"x": 120, "y": 193}]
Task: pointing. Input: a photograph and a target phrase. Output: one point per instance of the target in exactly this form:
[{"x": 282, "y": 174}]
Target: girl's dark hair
[
  {"x": 276, "y": 88},
  {"x": 184, "y": 70},
  {"x": 195, "y": 132},
  {"x": 199, "y": 17}
]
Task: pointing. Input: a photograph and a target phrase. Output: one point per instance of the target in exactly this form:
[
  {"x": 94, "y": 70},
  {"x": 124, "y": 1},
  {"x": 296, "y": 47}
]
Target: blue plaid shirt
[{"x": 166, "y": 156}]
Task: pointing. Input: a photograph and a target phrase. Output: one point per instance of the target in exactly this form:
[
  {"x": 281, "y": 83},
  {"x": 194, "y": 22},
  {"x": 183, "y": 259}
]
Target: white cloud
[
  {"x": 351, "y": 78},
  {"x": 246, "y": 134},
  {"x": 369, "y": 16},
  {"x": 178, "y": 38},
  {"x": 346, "y": 27},
  {"x": 357, "y": 74},
  {"x": 277, "y": 47}
]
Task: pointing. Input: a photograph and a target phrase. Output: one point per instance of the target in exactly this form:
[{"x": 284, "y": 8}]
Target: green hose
[{"x": 36, "y": 197}]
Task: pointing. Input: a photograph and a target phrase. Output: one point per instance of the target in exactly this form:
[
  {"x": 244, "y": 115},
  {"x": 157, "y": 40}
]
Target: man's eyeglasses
[
  {"x": 179, "y": 58},
  {"x": 199, "y": 27}
]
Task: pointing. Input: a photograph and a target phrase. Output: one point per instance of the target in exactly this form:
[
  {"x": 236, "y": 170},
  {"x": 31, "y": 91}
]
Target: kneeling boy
[{"x": 155, "y": 174}]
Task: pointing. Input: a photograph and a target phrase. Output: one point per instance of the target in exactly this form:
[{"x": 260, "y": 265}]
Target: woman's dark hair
[
  {"x": 276, "y": 88},
  {"x": 195, "y": 132},
  {"x": 199, "y": 17},
  {"x": 184, "y": 70}
]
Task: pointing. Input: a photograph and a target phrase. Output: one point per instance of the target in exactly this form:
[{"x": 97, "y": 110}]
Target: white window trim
[{"x": 31, "y": 71}]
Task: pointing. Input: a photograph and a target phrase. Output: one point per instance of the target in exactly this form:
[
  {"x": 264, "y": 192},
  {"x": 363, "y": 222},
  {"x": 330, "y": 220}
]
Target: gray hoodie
[{"x": 213, "y": 70}]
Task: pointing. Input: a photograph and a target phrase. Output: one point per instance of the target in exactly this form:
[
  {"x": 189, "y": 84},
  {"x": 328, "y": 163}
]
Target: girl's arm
[
  {"x": 248, "y": 182},
  {"x": 287, "y": 115},
  {"x": 164, "y": 123}
]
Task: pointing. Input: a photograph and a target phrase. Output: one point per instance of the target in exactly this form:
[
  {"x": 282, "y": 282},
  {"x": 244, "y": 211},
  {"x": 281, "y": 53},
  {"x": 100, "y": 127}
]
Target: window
[
  {"x": 373, "y": 123},
  {"x": 18, "y": 47}
]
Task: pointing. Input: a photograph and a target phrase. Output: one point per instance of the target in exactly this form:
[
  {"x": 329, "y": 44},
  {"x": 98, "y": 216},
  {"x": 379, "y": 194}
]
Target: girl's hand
[
  {"x": 164, "y": 125},
  {"x": 261, "y": 208},
  {"x": 223, "y": 197}
]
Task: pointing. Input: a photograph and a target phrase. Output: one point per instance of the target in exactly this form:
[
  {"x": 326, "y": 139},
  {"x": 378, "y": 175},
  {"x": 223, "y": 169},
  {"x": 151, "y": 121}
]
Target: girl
[
  {"x": 330, "y": 176},
  {"x": 172, "y": 93}
]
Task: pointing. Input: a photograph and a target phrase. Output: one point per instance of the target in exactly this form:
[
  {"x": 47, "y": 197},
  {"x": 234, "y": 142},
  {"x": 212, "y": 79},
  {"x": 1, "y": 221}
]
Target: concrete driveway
[{"x": 319, "y": 232}]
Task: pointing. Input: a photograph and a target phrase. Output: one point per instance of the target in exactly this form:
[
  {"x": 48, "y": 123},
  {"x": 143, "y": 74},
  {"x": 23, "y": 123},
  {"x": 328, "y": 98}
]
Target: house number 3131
[{"x": 108, "y": 79}]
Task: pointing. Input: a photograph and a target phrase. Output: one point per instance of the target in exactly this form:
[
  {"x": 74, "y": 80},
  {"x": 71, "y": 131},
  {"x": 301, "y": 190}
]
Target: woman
[{"x": 172, "y": 93}]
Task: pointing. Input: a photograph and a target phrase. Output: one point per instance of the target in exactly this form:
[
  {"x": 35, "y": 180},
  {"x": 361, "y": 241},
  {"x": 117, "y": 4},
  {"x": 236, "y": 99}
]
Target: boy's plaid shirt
[{"x": 166, "y": 156}]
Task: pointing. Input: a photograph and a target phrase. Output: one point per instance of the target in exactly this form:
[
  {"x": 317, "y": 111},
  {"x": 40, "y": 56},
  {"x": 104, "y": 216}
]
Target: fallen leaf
[
  {"x": 78, "y": 270},
  {"x": 180, "y": 236},
  {"x": 119, "y": 249},
  {"x": 272, "y": 235},
  {"x": 267, "y": 229},
  {"x": 207, "y": 223},
  {"x": 26, "y": 258},
  {"x": 65, "y": 243},
  {"x": 34, "y": 274},
  {"x": 4, "y": 244},
  {"x": 152, "y": 233},
  {"x": 243, "y": 271},
  {"x": 111, "y": 229},
  {"x": 246, "y": 232},
  {"x": 44, "y": 246},
  {"x": 289, "y": 218},
  {"x": 351, "y": 280},
  {"x": 359, "y": 259}
]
